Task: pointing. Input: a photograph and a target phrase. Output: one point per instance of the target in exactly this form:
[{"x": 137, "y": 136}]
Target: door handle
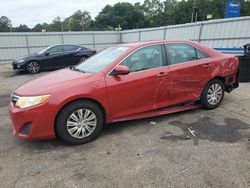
[
  {"x": 207, "y": 65},
  {"x": 162, "y": 74}
]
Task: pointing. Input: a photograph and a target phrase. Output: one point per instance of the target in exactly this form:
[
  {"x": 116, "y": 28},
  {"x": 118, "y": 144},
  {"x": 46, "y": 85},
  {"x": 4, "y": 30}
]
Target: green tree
[
  {"x": 40, "y": 27},
  {"x": 183, "y": 12},
  {"x": 126, "y": 15},
  {"x": 184, "y": 9},
  {"x": 103, "y": 20},
  {"x": 214, "y": 7},
  {"x": 154, "y": 13},
  {"x": 169, "y": 15},
  {"x": 21, "y": 28},
  {"x": 5, "y": 24},
  {"x": 245, "y": 8},
  {"x": 56, "y": 25},
  {"x": 37, "y": 28},
  {"x": 79, "y": 21}
]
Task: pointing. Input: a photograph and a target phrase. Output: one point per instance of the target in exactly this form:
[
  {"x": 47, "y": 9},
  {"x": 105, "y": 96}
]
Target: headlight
[
  {"x": 20, "y": 61},
  {"x": 25, "y": 102}
]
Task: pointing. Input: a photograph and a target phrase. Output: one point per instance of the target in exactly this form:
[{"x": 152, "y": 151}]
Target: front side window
[
  {"x": 56, "y": 49},
  {"x": 44, "y": 50},
  {"x": 144, "y": 58},
  {"x": 180, "y": 53}
]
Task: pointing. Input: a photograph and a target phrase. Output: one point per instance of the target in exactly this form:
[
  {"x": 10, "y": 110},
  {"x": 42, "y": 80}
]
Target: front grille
[{"x": 14, "y": 98}]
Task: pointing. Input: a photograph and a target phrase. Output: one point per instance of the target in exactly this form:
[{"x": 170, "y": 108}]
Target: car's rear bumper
[
  {"x": 231, "y": 82},
  {"x": 33, "y": 123}
]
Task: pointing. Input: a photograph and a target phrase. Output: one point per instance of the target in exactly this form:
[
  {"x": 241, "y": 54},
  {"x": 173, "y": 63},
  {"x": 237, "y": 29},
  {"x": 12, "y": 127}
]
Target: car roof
[
  {"x": 144, "y": 43},
  {"x": 209, "y": 51},
  {"x": 65, "y": 45}
]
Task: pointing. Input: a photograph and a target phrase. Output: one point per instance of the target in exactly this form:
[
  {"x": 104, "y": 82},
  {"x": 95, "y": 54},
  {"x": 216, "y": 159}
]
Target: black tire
[
  {"x": 33, "y": 67},
  {"x": 63, "y": 120},
  {"x": 83, "y": 58},
  {"x": 211, "y": 101}
]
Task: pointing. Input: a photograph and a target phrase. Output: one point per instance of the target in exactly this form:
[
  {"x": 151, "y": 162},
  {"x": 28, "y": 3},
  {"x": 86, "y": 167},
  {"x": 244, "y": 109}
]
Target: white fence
[
  {"x": 224, "y": 34},
  {"x": 13, "y": 45},
  {"x": 220, "y": 33}
]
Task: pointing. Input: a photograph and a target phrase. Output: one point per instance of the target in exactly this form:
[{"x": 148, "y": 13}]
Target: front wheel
[
  {"x": 79, "y": 122},
  {"x": 33, "y": 67},
  {"x": 213, "y": 94}
]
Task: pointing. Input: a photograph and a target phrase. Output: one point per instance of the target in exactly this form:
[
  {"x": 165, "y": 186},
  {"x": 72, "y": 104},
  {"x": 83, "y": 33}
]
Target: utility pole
[
  {"x": 61, "y": 21},
  {"x": 194, "y": 13}
]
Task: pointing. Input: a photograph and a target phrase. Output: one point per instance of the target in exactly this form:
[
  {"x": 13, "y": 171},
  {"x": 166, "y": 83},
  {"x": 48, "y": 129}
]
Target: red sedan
[{"x": 124, "y": 82}]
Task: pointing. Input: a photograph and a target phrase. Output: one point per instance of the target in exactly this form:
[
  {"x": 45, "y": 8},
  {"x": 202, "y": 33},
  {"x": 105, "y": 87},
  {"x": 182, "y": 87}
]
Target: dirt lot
[{"x": 154, "y": 152}]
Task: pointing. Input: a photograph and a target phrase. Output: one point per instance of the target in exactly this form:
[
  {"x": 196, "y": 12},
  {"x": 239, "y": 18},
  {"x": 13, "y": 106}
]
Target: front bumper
[
  {"x": 17, "y": 66},
  {"x": 32, "y": 123}
]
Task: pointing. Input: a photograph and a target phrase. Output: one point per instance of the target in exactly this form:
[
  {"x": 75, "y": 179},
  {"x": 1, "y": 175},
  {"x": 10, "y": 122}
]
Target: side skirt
[{"x": 158, "y": 112}]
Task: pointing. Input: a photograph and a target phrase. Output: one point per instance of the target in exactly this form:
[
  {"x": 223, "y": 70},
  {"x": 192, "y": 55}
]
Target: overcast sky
[{"x": 32, "y": 12}]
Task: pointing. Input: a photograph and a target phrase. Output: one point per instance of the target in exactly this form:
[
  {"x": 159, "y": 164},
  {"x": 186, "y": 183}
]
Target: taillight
[
  {"x": 234, "y": 63},
  {"x": 236, "y": 60}
]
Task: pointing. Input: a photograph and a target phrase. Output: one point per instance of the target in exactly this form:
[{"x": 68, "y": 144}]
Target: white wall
[{"x": 220, "y": 33}]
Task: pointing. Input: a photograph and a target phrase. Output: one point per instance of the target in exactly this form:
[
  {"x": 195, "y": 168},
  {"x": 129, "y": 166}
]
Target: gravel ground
[{"x": 153, "y": 152}]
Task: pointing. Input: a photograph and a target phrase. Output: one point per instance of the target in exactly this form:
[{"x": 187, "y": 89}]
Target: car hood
[{"x": 46, "y": 83}]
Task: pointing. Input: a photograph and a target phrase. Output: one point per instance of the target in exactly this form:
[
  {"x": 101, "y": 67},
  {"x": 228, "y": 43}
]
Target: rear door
[
  {"x": 70, "y": 56},
  {"x": 189, "y": 71},
  {"x": 134, "y": 93}
]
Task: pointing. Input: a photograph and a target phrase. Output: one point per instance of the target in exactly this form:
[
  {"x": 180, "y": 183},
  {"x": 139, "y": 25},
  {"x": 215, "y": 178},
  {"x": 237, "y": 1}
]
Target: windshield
[
  {"x": 43, "y": 50},
  {"x": 101, "y": 60}
]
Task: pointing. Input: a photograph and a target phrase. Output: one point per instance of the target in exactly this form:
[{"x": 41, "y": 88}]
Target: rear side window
[
  {"x": 180, "y": 53},
  {"x": 201, "y": 55},
  {"x": 70, "y": 48}
]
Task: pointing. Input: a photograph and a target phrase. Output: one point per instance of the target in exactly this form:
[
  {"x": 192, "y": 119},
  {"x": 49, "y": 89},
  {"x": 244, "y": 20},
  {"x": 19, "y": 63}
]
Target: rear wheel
[
  {"x": 33, "y": 67},
  {"x": 213, "y": 94},
  {"x": 79, "y": 122},
  {"x": 83, "y": 59}
]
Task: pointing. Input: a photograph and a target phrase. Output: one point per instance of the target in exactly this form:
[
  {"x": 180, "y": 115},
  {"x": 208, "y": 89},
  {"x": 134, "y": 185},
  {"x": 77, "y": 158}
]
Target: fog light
[{"x": 26, "y": 128}]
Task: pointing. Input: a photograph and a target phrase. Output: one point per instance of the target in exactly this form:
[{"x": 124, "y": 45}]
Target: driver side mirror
[
  {"x": 121, "y": 70},
  {"x": 47, "y": 53}
]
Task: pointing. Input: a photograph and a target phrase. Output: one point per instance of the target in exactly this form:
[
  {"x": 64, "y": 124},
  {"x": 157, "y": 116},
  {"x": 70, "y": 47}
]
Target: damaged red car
[{"x": 123, "y": 82}]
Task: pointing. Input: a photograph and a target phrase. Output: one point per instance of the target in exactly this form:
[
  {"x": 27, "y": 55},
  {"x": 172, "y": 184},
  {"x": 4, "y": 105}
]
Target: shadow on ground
[{"x": 206, "y": 129}]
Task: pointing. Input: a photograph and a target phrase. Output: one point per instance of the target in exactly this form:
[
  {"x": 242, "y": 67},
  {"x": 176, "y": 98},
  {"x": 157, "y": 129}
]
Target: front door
[
  {"x": 54, "y": 57},
  {"x": 135, "y": 93},
  {"x": 70, "y": 56}
]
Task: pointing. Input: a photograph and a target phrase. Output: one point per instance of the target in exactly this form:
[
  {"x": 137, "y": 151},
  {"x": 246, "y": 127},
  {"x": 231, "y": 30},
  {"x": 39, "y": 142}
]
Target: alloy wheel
[
  {"x": 33, "y": 67},
  {"x": 81, "y": 123},
  {"x": 214, "y": 94}
]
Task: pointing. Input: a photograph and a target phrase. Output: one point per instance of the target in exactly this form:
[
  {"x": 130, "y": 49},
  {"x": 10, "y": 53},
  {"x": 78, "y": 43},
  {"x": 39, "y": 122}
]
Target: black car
[{"x": 53, "y": 57}]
